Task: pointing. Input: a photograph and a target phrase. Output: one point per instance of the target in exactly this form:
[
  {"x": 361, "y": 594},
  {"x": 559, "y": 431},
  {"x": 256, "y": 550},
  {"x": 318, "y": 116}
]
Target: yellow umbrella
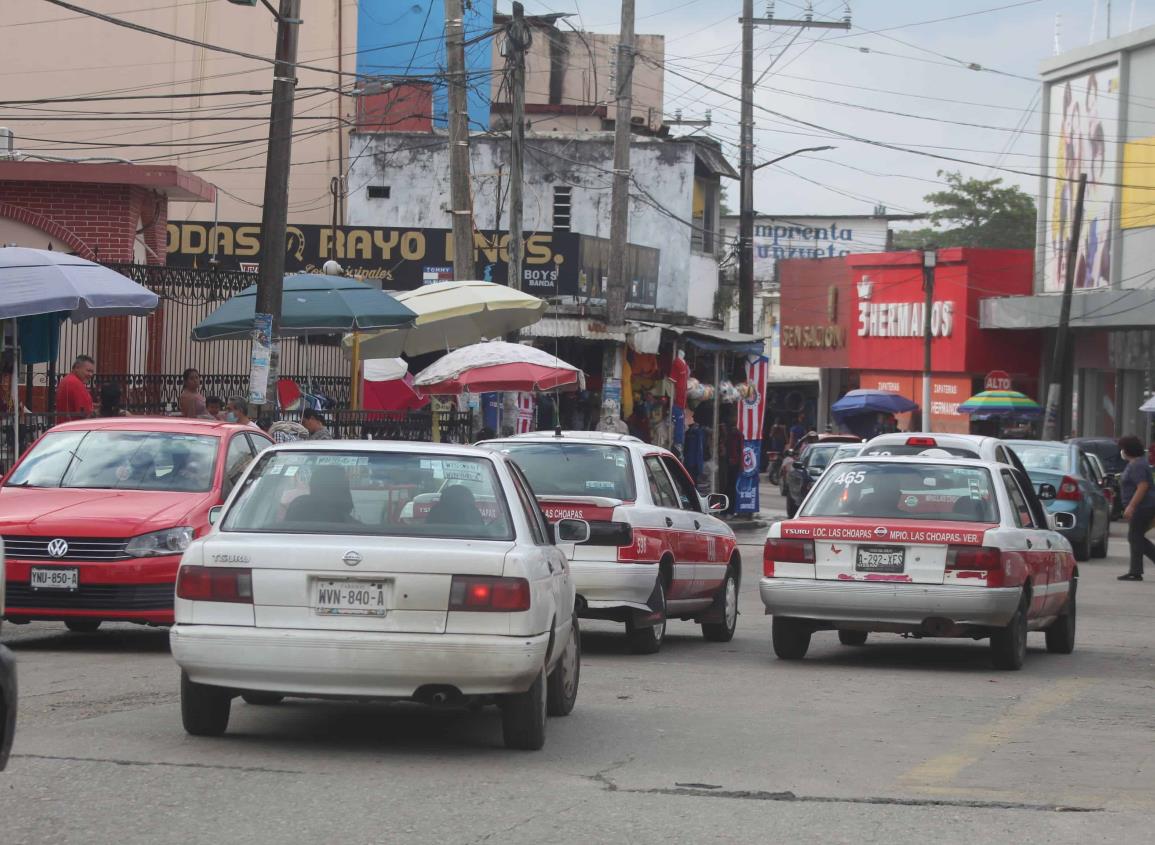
[{"x": 451, "y": 315}]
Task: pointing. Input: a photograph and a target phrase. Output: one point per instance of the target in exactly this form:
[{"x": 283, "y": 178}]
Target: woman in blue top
[{"x": 1139, "y": 508}]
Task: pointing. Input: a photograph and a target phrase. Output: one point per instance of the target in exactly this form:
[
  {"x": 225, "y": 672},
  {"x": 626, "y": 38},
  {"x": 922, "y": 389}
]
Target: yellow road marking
[{"x": 940, "y": 771}]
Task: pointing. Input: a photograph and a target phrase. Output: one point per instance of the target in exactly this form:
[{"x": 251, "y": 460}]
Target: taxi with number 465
[{"x": 926, "y": 546}]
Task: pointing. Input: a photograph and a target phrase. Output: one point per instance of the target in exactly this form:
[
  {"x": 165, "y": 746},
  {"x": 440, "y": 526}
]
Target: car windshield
[
  {"x": 574, "y": 469},
  {"x": 901, "y": 449},
  {"x": 1043, "y": 456},
  {"x": 819, "y": 456},
  {"x": 850, "y": 450},
  {"x": 904, "y": 491},
  {"x": 120, "y": 460},
  {"x": 403, "y": 494}
]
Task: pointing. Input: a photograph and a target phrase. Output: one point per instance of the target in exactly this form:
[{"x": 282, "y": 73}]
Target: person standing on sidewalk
[{"x": 1139, "y": 510}]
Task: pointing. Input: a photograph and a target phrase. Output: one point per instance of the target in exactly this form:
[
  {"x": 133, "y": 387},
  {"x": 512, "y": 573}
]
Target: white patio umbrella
[
  {"x": 451, "y": 315},
  {"x": 497, "y": 365},
  {"x": 38, "y": 281}
]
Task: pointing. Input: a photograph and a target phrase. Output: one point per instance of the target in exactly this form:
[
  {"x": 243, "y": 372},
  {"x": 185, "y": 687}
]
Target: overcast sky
[{"x": 926, "y": 76}]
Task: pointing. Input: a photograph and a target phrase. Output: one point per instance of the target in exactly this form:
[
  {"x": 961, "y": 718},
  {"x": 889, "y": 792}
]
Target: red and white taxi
[
  {"x": 928, "y": 546},
  {"x": 655, "y": 551}
]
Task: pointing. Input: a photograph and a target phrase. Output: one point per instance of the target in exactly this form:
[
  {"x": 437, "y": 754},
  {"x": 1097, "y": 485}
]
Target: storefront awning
[
  {"x": 644, "y": 336},
  {"x": 715, "y": 340},
  {"x": 1103, "y": 309}
]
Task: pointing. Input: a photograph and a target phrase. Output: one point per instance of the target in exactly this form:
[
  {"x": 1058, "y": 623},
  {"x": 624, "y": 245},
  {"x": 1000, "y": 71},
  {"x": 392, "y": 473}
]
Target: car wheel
[
  {"x": 1061, "y": 633},
  {"x": 523, "y": 717},
  {"x": 852, "y": 637},
  {"x": 262, "y": 698},
  {"x": 561, "y": 694},
  {"x": 647, "y": 639},
  {"x": 82, "y": 626},
  {"x": 204, "y": 709},
  {"x": 1082, "y": 549},
  {"x": 1099, "y": 550},
  {"x": 791, "y": 638},
  {"x": 1009, "y": 644},
  {"x": 727, "y": 603}
]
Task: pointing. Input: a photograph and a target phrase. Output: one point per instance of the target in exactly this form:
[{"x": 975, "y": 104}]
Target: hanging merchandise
[
  {"x": 751, "y": 412},
  {"x": 695, "y": 390},
  {"x": 525, "y": 412},
  {"x": 729, "y": 393}
]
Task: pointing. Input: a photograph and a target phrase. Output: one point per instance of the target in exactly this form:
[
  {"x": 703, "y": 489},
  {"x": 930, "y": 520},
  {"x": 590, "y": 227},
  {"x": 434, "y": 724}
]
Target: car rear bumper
[
  {"x": 139, "y": 590},
  {"x": 355, "y": 663},
  {"x": 889, "y": 603},
  {"x": 607, "y": 584}
]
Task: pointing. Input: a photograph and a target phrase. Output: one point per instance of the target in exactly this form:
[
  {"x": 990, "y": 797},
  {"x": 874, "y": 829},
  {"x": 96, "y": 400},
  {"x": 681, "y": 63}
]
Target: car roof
[
  {"x": 1049, "y": 444},
  {"x": 977, "y": 440},
  {"x": 393, "y": 446},
  {"x": 578, "y": 436},
  {"x": 172, "y": 425},
  {"x": 927, "y": 461}
]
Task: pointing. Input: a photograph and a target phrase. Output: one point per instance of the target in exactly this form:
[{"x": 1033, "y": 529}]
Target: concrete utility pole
[
  {"x": 746, "y": 157},
  {"x": 459, "y": 193},
  {"x": 929, "y": 261},
  {"x": 519, "y": 37},
  {"x": 275, "y": 210},
  {"x": 1054, "y": 420}
]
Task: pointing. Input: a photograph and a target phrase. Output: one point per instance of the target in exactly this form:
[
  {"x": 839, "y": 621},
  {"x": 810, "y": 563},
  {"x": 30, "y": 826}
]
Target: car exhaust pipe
[{"x": 439, "y": 695}]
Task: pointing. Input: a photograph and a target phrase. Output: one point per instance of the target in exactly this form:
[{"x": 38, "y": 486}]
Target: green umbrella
[
  {"x": 311, "y": 304},
  {"x": 1000, "y": 403}
]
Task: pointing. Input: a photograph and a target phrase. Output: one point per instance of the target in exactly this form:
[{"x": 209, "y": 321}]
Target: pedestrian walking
[
  {"x": 192, "y": 401},
  {"x": 1139, "y": 495},
  {"x": 73, "y": 397},
  {"x": 314, "y": 422},
  {"x": 239, "y": 412}
]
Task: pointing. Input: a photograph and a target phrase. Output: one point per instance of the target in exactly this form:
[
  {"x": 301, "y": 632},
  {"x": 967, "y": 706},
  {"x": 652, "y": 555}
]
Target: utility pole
[
  {"x": 746, "y": 158},
  {"x": 519, "y": 37},
  {"x": 929, "y": 260},
  {"x": 459, "y": 194},
  {"x": 618, "y": 268},
  {"x": 274, "y": 212},
  {"x": 1053, "y": 421}
]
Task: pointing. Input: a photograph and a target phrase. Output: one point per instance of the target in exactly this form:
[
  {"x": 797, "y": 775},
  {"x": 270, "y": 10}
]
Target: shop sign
[
  {"x": 997, "y": 380},
  {"x": 901, "y": 319},
  {"x": 813, "y": 337}
]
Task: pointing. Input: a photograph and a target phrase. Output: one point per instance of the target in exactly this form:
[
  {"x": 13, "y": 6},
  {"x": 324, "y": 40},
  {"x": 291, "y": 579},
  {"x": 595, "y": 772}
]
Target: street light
[{"x": 796, "y": 152}]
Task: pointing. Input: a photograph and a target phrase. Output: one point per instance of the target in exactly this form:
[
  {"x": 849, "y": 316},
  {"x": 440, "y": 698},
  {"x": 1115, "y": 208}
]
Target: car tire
[
  {"x": 1061, "y": 633},
  {"x": 82, "y": 626},
  {"x": 262, "y": 699},
  {"x": 852, "y": 637},
  {"x": 791, "y": 508},
  {"x": 1099, "y": 550},
  {"x": 647, "y": 639},
  {"x": 1082, "y": 549},
  {"x": 727, "y": 603},
  {"x": 790, "y": 637},
  {"x": 1009, "y": 644},
  {"x": 523, "y": 717},
  {"x": 204, "y": 709},
  {"x": 562, "y": 691}
]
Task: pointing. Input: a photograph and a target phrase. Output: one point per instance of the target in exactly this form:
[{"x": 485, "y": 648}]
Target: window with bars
[{"x": 562, "y": 207}]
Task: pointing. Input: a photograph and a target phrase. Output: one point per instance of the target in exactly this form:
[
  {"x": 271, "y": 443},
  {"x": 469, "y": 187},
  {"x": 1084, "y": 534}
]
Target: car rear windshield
[
  {"x": 905, "y": 491},
  {"x": 1046, "y": 457},
  {"x": 574, "y": 469},
  {"x": 820, "y": 456},
  {"x": 120, "y": 460},
  {"x": 1107, "y": 451},
  {"x": 901, "y": 449},
  {"x": 382, "y": 493}
]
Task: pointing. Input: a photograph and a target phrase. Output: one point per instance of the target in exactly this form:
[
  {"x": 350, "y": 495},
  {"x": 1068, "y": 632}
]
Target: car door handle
[
  {"x": 697, "y": 525},
  {"x": 1050, "y": 545},
  {"x": 669, "y": 522},
  {"x": 1030, "y": 545},
  {"x": 549, "y": 563}
]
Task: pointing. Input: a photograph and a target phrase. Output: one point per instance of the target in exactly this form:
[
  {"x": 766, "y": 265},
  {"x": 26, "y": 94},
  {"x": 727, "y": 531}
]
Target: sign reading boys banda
[{"x": 900, "y": 319}]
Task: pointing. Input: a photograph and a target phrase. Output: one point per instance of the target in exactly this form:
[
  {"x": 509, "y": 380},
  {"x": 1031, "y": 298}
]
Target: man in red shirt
[{"x": 73, "y": 398}]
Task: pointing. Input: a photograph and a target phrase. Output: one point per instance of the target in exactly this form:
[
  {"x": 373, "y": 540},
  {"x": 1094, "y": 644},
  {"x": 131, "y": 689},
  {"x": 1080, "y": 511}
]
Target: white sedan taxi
[
  {"x": 928, "y": 546},
  {"x": 319, "y": 581}
]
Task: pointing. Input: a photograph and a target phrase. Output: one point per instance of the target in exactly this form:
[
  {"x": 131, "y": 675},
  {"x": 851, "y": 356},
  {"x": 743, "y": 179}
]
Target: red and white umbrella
[{"x": 497, "y": 365}]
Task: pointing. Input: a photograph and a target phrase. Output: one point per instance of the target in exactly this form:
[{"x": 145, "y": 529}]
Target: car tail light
[
  {"x": 215, "y": 583},
  {"x": 1069, "y": 490},
  {"x": 486, "y": 593},
  {"x": 921, "y": 441},
  {"x": 603, "y": 533},
  {"x": 976, "y": 559},
  {"x": 785, "y": 551}
]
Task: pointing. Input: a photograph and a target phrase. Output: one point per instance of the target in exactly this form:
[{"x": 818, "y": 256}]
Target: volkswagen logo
[
  {"x": 57, "y": 548},
  {"x": 351, "y": 558},
  {"x": 880, "y": 531}
]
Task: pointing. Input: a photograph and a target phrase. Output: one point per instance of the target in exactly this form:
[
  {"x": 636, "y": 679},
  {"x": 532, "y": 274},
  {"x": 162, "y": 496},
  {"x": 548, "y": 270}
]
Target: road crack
[{"x": 118, "y": 762}]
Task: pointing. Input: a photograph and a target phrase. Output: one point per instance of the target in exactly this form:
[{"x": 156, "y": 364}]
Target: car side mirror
[
  {"x": 1063, "y": 521},
  {"x": 571, "y": 531},
  {"x": 717, "y": 502},
  {"x": 215, "y": 514},
  {"x": 1047, "y": 492}
]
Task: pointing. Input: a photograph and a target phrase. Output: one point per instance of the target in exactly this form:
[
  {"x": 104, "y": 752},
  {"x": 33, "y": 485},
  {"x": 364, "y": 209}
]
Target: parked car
[
  {"x": 1066, "y": 483},
  {"x": 1106, "y": 450},
  {"x": 1109, "y": 484},
  {"x": 7, "y": 684},
  {"x": 655, "y": 551},
  {"x": 97, "y": 513},
  {"x": 316, "y": 582},
  {"x": 807, "y": 469},
  {"x": 925, "y": 547}
]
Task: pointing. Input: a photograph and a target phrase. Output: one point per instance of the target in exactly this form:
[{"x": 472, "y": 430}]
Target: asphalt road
[{"x": 898, "y": 741}]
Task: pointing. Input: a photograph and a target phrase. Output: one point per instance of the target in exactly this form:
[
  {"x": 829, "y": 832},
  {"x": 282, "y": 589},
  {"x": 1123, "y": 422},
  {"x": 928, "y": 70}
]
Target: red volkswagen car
[{"x": 95, "y": 516}]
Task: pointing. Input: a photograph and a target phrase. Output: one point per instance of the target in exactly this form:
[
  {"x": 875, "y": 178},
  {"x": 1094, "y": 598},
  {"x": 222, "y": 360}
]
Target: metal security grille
[{"x": 79, "y": 548}]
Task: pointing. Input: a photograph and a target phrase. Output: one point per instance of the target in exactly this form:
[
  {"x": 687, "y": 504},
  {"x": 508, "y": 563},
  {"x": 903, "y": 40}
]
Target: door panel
[{"x": 677, "y": 524}]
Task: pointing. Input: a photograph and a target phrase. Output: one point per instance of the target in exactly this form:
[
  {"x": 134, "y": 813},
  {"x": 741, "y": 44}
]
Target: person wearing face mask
[
  {"x": 1139, "y": 507},
  {"x": 239, "y": 412}
]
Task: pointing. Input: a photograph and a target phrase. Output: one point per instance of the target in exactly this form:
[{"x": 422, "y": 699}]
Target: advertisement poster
[
  {"x": 746, "y": 487},
  {"x": 260, "y": 358},
  {"x": 1084, "y": 112}
]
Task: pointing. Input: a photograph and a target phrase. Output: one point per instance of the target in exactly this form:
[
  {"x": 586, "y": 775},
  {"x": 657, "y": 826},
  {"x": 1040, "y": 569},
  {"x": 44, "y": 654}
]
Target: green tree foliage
[{"x": 975, "y": 213}]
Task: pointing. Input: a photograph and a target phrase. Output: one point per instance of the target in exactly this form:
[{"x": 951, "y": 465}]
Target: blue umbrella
[
  {"x": 40, "y": 281},
  {"x": 872, "y": 401}
]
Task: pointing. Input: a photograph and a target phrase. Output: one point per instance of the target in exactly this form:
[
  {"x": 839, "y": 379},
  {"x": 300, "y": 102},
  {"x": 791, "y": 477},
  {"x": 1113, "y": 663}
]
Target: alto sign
[
  {"x": 997, "y": 380},
  {"x": 900, "y": 319}
]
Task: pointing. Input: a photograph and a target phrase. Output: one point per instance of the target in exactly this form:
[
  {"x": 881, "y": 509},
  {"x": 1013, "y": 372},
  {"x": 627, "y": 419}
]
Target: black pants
[{"x": 1136, "y": 536}]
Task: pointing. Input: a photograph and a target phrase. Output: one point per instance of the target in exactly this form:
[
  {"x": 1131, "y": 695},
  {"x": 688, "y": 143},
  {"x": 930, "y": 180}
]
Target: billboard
[
  {"x": 1082, "y": 130},
  {"x": 780, "y": 238}
]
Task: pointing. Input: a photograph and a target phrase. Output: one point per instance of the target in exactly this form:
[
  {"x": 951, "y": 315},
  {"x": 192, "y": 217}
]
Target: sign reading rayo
[{"x": 813, "y": 237}]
